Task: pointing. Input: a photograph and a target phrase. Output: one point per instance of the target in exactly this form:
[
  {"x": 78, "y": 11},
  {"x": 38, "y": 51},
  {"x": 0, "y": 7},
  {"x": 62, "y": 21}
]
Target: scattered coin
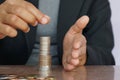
[{"x": 50, "y": 78}]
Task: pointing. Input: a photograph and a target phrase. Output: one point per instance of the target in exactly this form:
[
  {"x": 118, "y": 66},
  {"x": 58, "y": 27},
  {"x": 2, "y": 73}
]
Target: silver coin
[{"x": 45, "y": 40}]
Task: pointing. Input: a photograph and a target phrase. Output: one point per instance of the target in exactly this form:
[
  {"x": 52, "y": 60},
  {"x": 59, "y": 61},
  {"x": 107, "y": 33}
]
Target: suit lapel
[{"x": 68, "y": 13}]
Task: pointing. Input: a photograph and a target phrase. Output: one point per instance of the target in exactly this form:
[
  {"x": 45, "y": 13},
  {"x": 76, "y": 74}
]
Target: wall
[{"x": 115, "y": 6}]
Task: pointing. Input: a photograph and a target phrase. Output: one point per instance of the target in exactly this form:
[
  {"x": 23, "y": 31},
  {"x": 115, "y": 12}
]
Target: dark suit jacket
[{"x": 98, "y": 33}]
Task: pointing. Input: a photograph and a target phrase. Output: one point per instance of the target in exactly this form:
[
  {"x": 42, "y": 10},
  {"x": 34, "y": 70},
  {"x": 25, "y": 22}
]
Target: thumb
[{"x": 80, "y": 24}]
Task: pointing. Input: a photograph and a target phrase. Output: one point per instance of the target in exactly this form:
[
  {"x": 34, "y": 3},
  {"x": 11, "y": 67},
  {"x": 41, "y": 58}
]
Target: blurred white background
[{"x": 115, "y": 6}]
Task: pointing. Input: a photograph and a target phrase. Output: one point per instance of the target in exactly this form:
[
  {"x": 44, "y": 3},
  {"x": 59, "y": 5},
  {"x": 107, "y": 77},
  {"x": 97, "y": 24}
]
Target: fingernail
[
  {"x": 77, "y": 46},
  {"x": 75, "y": 61},
  {"x": 84, "y": 19},
  {"x": 35, "y": 24},
  {"x": 27, "y": 30},
  {"x": 45, "y": 19},
  {"x": 75, "y": 54},
  {"x": 13, "y": 33}
]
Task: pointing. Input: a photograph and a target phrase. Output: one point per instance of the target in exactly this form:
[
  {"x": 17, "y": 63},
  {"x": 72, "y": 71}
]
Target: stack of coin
[{"x": 45, "y": 57}]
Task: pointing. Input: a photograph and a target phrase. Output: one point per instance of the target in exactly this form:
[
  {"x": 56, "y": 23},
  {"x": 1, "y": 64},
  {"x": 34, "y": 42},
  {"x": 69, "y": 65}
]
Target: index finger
[{"x": 41, "y": 17}]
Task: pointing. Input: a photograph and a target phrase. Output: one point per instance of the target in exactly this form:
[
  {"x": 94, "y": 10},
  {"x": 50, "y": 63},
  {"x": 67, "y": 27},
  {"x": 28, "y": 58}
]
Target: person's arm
[
  {"x": 92, "y": 43},
  {"x": 17, "y": 14},
  {"x": 99, "y": 35}
]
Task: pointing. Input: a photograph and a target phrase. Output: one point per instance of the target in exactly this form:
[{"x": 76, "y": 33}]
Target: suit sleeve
[
  {"x": 1, "y": 1},
  {"x": 99, "y": 35}
]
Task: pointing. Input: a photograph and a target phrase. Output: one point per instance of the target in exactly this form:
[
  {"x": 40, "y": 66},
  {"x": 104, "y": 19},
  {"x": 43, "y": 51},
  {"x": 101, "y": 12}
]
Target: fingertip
[
  {"x": 35, "y": 23},
  {"x": 13, "y": 34},
  {"x": 27, "y": 30},
  {"x": 76, "y": 45},
  {"x": 83, "y": 21},
  {"x": 69, "y": 67},
  {"x": 2, "y": 36},
  {"x": 45, "y": 19},
  {"x": 75, "y": 62},
  {"x": 79, "y": 25},
  {"x": 75, "y": 54},
  {"x": 85, "y": 18}
]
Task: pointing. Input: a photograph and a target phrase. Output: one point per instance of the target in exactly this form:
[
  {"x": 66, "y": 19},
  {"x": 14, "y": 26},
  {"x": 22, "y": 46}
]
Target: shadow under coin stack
[{"x": 45, "y": 57}]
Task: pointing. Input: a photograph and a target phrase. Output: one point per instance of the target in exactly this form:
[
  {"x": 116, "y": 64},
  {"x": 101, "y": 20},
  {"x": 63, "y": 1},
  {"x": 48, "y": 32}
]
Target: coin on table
[
  {"x": 22, "y": 78},
  {"x": 3, "y": 77},
  {"x": 12, "y": 76},
  {"x": 40, "y": 78},
  {"x": 50, "y": 78}
]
